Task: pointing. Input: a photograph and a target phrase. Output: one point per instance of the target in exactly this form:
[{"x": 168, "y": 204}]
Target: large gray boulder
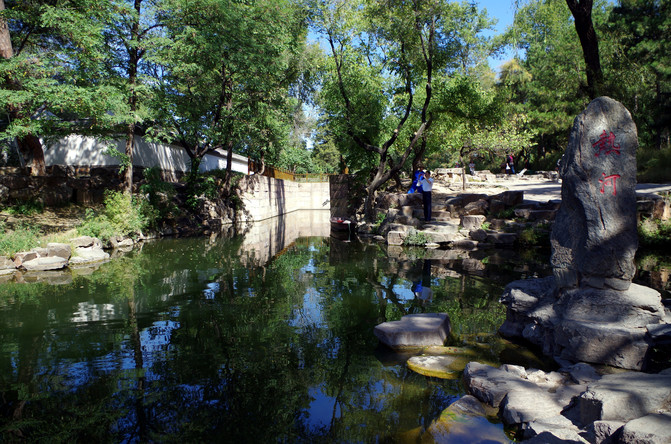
[
  {"x": 650, "y": 429},
  {"x": 602, "y": 326},
  {"x": 45, "y": 263},
  {"x": 415, "y": 330},
  {"x": 594, "y": 237},
  {"x": 88, "y": 255},
  {"x": 623, "y": 397},
  {"x": 56, "y": 249}
]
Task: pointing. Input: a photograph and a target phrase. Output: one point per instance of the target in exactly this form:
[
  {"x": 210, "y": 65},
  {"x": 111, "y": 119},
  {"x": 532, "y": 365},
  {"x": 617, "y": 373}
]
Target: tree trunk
[
  {"x": 128, "y": 171},
  {"x": 229, "y": 165},
  {"x": 32, "y": 146},
  {"x": 29, "y": 145},
  {"x": 6, "y": 50},
  {"x": 134, "y": 60},
  {"x": 582, "y": 14},
  {"x": 371, "y": 192}
]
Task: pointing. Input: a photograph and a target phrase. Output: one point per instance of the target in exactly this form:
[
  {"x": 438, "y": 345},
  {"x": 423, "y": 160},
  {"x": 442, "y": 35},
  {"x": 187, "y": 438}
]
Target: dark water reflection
[{"x": 265, "y": 337}]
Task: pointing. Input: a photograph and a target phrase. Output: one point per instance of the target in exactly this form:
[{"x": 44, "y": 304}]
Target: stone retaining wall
[
  {"x": 266, "y": 197},
  {"x": 342, "y": 202},
  {"x": 63, "y": 185}
]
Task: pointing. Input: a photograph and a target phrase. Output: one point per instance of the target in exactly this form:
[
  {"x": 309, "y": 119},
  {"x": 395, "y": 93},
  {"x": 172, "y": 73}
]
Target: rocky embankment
[
  {"x": 577, "y": 404},
  {"x": 486, "y": 215},
  {"x": 39, "y": 263}
]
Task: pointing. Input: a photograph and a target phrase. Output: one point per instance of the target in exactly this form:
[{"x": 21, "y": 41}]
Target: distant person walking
[
  {"x": 426, "y": 183},
  {"x": 510, "y": 164},
  {"x": 471, "y": 166}
]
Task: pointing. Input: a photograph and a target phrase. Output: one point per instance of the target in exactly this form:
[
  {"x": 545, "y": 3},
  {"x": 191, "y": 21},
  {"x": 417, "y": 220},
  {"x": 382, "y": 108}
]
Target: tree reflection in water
[{"x": 212, "y": 340}]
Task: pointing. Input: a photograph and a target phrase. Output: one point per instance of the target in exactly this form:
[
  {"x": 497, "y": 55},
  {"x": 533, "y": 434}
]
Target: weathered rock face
[
  {"x": 576, "y": 404},
  {"x": 594, "y": 237},
  {"x": 610, "y": 327}
]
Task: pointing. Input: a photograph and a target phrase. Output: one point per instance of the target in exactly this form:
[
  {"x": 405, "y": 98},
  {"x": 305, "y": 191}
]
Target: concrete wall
[
  {"x": 86, "y": 151},
  {"x": 268, "y": 237},
  {"x": 265, "y": 197}
]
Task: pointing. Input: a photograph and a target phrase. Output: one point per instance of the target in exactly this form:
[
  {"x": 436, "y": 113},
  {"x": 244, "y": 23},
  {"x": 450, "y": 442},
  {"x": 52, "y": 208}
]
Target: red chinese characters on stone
[
  {"x": 609, "y": 181},
  {"x": 606, "y": 144}
]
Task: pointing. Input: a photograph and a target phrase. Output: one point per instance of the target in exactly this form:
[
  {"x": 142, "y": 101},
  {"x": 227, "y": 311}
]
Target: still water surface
[{"x": 265, "y": 337}]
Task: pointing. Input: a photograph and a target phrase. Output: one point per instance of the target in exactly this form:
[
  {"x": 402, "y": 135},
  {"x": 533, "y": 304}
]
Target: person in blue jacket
[{"x": 419, "y": 175}]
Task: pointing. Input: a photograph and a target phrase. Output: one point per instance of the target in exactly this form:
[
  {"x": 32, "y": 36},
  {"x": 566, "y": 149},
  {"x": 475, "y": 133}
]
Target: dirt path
[{"x": 51, "y": 220}]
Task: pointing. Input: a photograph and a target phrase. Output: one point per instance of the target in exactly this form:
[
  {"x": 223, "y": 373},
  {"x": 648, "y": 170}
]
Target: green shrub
[
  {"x": 654, "y": 233},
  {"x": 123, "y": 215},
  {"x": 534, "y": 236},
  {"x": 160, "y": 196},
  {"x": 21, "y": 238},
  {"x": 202, "y": 185},
  {"x": 415, "y": 238},
  {"x": 508, "y": 213},
  {"x": 529, "y": 236},
  {"x": 26, "y": 208},
  {"x": 653, "y": 165}
]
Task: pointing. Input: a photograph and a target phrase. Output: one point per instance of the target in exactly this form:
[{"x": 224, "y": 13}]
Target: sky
[{"x": 503, "y": 11}]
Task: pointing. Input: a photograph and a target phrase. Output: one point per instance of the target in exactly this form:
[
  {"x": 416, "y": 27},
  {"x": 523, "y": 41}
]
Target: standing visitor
[
  {"x": 471, "y": 166},
  {"x": 417, "y": 176},
  {"x": 427, "y": 185}
]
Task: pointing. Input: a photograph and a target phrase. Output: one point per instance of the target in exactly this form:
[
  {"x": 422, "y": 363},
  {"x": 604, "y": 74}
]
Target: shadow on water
[{"x": 265, "y": 336}]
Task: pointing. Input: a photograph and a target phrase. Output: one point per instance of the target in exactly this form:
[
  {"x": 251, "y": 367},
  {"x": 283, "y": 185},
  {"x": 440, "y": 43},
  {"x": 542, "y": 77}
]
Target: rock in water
[{"x": 594, "y": 237}]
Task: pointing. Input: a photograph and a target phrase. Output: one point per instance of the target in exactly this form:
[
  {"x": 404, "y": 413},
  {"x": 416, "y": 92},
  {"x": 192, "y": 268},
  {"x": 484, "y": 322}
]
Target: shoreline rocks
[
  {"x": 88, "y": 251},
  {"x": 575, "y": 403},
  {"x": 599, "y": 326}
]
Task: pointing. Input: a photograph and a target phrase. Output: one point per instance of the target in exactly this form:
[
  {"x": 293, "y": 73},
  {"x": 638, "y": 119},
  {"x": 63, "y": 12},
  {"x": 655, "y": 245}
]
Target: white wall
[
  {"x": 211, "y": 162},
  {"x": 88, "y": 151}
]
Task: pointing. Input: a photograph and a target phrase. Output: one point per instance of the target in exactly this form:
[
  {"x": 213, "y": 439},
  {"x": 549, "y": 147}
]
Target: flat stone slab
[
  {"x": 84, "y": 256},
  {"x": 558, "y": 426},
  {"x": 443, "y": 367},
  {"x": 45, "y": 263},
  {"x": 415, "y": 330},
  {"x": 623, "y": 397},
  {"x": 6, "y": 263},
  {"x": 653, "y": 429},
  {"x": 460, "y": 422}
]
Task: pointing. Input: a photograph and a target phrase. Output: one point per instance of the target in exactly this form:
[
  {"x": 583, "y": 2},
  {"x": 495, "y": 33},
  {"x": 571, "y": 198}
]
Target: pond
[{"x": 261, "y": 337}]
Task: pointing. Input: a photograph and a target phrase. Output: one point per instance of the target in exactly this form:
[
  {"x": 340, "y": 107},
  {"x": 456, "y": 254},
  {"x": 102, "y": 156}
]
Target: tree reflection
[{"x": 183, "y": 341}]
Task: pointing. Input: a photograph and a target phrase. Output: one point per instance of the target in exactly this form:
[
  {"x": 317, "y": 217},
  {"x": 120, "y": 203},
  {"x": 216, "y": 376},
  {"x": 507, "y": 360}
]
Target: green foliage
[
  {"x": 160, "y": 196},
  {"x": 26, "y": 208},
  {"x": 297, "y": 160},
  {"x": 375, "y": 96},
  {"x": 199, "y": 185},
  {"x": 326, "y": 157},
  {"x": 19, "y": 238},
  {"x": 508, "y": 213},
  {"x": 653, "y": 165},
  {"x": 378, "y": 221},
  {"x": 532, "y": 236},
  {"x": 640, "y": 66},
  {"x": 545, "y": 86},
  {"x": 227, "y": 69},
  {"x": 123, "y": 215},
  {"x": 415, "y": 237},
  {"x": 654, "y": 233},
  {"x": 56, "y": 70}
]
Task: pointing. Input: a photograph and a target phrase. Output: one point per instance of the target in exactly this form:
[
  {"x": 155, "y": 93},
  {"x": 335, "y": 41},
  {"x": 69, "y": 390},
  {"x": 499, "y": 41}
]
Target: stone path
[{"x": 542, "y": 190}]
